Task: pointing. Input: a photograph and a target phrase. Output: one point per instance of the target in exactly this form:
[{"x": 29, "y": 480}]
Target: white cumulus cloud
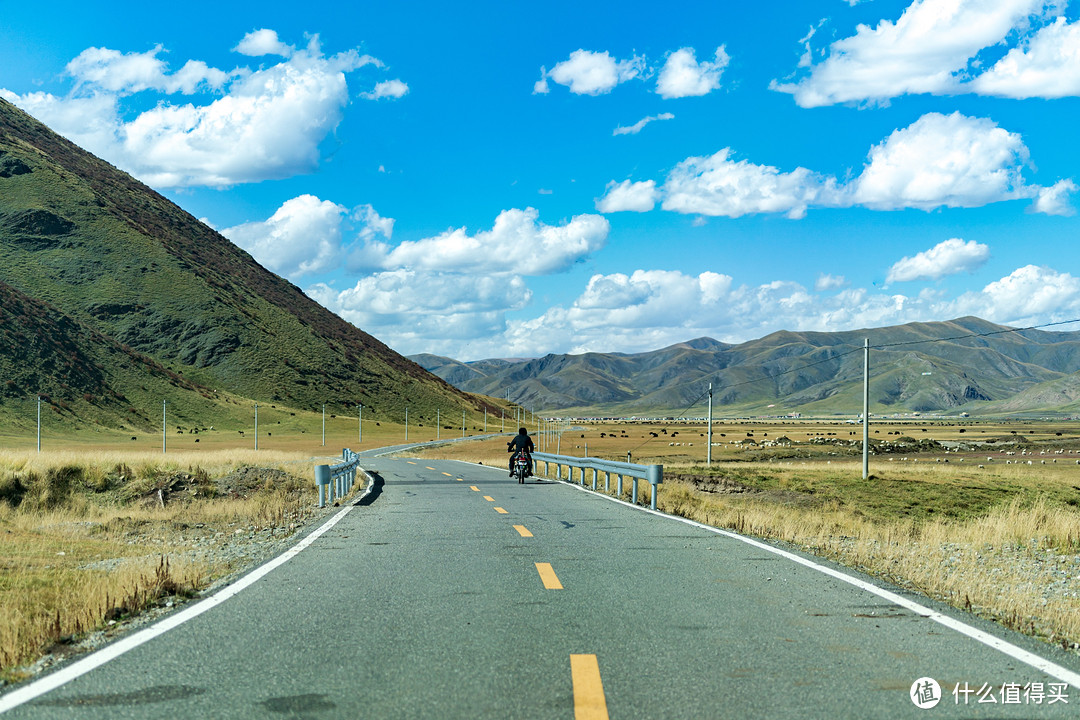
[
  {"x": 1046, "y": 66},
  {"x": 518, "y": 243},
  {"x": 683, "y": 76},
  {"x": 592, "y": 73},
  {"x": 627, "y": 195},
  {"x": 102, "y": 69},
  {"x": 263, "y": 42},
  {"x": 826, "y": 282},
  {"x": 261, "y": 124},
  {"x": 951, "y": 160},
  {"x": 719, "y": 186},
  {"x": 303, "y": 236},
  {"x": 1054, "y": 200},
  {"x": 307, "y": 235},
  {"x": 925, "y": 50},
  {"x": 1028, "y": 295},
  {"x": 937, "y": 161},
  {"x": 946, "y": 258},
  {"x": 419, "y": 311},
  {"x": 388, "y": 89}
]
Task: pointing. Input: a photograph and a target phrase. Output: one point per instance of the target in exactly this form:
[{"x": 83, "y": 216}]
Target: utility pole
[
  {"x": 256, "y": 426},
  {"x": 359, "y": 424},
  {"x": 39, "y": 423},
  {"x": 866, "y": 411},
  {"x": 708, "y": 458},
  {"x": 324, "y": 424},
  {"x": 163, "y": 435}
]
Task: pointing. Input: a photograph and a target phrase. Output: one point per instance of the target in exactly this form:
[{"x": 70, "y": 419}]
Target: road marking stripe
[
  {"x": 410, "y": 462},
  {"x": 461, "y": 479},
  {"x": 110, "y": 652},
  {"x": 489, "y": 498},
  {"x": 548, "y": 576},
  {"x": 474, "y": 488},
  {"x": 428, "y": 467},
  {"x": 981, "y": 636},
  {"x": 500, "y": 511},
  {"x": 589, "y": 702},
  {"x": 522, "y": 531},
  {"x": 447, "y": 474}
]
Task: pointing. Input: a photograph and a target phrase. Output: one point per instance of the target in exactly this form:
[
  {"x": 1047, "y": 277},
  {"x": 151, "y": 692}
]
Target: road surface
[{"x": 454, "y": 592}]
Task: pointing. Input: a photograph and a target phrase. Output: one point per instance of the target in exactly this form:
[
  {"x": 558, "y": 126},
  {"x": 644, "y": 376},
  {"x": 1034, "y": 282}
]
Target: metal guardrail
[
  {"x": 654, "y": 474},
  {"x": 341, "y": 477}
]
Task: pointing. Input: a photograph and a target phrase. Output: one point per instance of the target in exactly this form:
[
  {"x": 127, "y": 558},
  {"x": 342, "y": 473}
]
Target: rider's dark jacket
[{"x": 520, "y": 442}]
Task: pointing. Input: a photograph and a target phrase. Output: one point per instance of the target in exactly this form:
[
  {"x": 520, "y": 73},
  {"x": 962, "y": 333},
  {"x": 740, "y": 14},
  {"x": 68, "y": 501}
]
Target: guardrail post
[
  {"x": 635, "y": 491},
  {"x": 607, "y": 481},
  {"x": 618, "y": 487},
  {"x": 322, "y": 480},
  {"x": 595, "y": 472},
  {"x": 655, "y": 476}
]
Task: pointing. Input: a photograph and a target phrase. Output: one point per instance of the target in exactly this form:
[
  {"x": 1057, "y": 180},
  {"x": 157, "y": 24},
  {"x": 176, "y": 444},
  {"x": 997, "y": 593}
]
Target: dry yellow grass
[{"x": 91, "y": 540}]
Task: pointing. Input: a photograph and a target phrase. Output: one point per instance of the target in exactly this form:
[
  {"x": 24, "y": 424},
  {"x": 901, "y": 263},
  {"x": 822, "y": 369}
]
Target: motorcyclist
[{"x": 521, "y": 441}]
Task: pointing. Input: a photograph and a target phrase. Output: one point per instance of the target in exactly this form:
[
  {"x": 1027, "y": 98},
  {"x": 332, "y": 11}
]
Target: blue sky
[{"x": 510, "y": 180}]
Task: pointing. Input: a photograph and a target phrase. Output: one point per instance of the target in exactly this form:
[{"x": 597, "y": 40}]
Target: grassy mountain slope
[
  {"x": 115, "y": 258},
  {"x": 914, "y": 367}
]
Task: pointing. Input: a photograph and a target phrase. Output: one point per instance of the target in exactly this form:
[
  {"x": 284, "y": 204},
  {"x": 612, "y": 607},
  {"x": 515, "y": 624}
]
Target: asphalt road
[{"x": 454, "y": 592}]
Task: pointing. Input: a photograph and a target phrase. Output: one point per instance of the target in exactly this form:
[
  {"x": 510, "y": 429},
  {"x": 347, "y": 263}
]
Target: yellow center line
[
  {"x": 410, "y": 462},
  {"x": 461, "y": 479},
  {"x": 429, "y": 468},
  {"x": 548, "y": 576},
  {"x": 589, "y": 702},
  {"x": 500, "y": 511},
  {"x": 523, "y": 531},
  {"x": 447, "y": 474},
  {"x": 474, "y": 488},
  {"x": 489, "y": 498}
]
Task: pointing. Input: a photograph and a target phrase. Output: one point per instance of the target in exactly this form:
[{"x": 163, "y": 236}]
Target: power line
[{"x": 975, "y": 335}]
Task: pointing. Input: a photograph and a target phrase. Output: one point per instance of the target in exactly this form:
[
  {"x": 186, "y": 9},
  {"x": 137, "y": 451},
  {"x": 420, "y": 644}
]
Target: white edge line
[
  {"x": 114, "y": 650},
  {"x": 1017, "y": 653}
]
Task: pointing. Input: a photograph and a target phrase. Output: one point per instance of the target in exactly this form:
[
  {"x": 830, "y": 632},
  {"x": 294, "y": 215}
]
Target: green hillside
[
  {"x": 966, "y": 364},
  {"x": 112, "y": 292}
]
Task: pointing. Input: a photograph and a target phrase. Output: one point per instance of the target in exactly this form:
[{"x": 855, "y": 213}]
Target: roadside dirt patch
[
  {"x": 249, "y": 479},
  {"x": 719, "y": 485}
]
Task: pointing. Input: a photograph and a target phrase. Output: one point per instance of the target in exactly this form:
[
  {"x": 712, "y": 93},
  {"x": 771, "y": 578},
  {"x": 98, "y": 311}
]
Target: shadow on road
[{"x": 376, "y": 490}]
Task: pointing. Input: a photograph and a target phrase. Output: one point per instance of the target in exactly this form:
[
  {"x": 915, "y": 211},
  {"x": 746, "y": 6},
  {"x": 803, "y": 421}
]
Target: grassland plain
[{"x": 982, "y": 515}]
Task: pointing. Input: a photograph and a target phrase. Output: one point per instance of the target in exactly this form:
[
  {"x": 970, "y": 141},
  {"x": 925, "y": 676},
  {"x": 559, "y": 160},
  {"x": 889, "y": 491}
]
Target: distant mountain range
[
  {"x": 113, "y": 299},
  {"x": 966, "y": 364}
]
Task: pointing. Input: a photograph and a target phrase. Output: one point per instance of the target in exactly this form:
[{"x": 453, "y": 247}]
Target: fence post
[
  {"x": 656, "y": 476},
  {"x": 322, "y": 481}
]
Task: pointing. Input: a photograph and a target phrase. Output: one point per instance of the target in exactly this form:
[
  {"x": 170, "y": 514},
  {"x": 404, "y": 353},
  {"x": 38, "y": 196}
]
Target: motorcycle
[{"x": 521, "y": 466}]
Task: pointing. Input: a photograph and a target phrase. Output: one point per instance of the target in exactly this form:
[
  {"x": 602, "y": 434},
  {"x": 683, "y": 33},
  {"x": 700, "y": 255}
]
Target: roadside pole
[
  {"x": 866, "y": 411},
  {"x": 708, "y": 455}
]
